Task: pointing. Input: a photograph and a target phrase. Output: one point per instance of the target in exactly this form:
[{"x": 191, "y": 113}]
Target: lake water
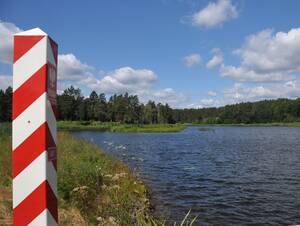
[{"x": 226, "y": 176}]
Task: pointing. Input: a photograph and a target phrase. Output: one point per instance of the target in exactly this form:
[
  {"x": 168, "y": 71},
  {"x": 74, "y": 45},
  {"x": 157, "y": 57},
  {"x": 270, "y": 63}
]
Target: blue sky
[{"x": 189, "y": 53}]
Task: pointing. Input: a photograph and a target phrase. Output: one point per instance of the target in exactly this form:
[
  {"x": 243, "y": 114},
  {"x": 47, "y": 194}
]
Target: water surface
[{"x": 227, "y": 176}]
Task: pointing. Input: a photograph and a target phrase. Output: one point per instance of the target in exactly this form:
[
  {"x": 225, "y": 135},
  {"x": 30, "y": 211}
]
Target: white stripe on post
[
  {"x": 30, "y": 62},
  {"x": 32, "y": 176},
  {"x": 31, "y": 119},
  {"x": 45, "y": 218}
]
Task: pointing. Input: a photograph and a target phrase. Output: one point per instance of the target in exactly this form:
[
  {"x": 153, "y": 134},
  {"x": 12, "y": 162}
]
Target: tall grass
[
  {"x": 5, "y": 174},
  {"x": 101, "y": 187}
]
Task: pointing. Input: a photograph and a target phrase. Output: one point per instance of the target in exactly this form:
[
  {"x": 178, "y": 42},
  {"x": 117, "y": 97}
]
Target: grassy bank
[
  {"x": 119, "y": 127},
  {"x": 100, "y": 187},
  {"x": 93, "y": 188},
  {"x": 273, "y": 124}
]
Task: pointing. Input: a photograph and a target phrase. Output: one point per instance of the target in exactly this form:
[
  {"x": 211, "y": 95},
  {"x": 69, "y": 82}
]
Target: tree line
[
  {"x": 125, "y": 108},
  {"x": 122, "y": 108}
]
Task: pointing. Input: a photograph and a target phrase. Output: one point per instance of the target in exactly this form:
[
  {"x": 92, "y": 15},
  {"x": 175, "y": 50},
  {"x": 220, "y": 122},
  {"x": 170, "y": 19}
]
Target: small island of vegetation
[{"x": 120, "y": 127}]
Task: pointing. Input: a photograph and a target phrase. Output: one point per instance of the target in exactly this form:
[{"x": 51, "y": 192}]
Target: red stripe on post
[
  {"x": 31, "y": 148},
  {"x": 24, "y": 43},
  {"x": 35, "y": 204},
  {"x": 32, "y": 89}
]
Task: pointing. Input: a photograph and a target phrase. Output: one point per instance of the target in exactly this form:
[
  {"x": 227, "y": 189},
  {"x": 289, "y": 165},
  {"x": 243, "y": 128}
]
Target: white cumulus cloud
[
  {"x": 267, "y": 57},
  {"x": 192, "y": 60},
  {"x": 216, "y": 60},
  {"x": 125, "y": 79},
  {"x": 170, "y": 96},
  {"x": 214, "y": 14},
  {"x": 242, "y": 93},
  {"x": 71, "y": 69},
  {"x": 7, "y": 30},
  {"x": 137, "y": 82}
]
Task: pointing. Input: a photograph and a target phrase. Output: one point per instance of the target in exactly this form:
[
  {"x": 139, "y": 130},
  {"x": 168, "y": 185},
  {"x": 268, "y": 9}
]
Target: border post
[{"x": 34, "y": 167}]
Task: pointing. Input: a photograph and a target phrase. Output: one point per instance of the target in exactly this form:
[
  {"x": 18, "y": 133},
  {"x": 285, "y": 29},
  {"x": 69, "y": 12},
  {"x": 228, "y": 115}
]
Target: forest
[{"x": 125, "y": 108}]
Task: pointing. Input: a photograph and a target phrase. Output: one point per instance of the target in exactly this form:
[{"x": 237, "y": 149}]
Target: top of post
[{"x": 32, "y": 32}]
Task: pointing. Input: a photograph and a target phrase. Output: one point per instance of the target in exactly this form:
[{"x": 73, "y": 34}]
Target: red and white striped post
[{"x": 34, "y": 129}]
